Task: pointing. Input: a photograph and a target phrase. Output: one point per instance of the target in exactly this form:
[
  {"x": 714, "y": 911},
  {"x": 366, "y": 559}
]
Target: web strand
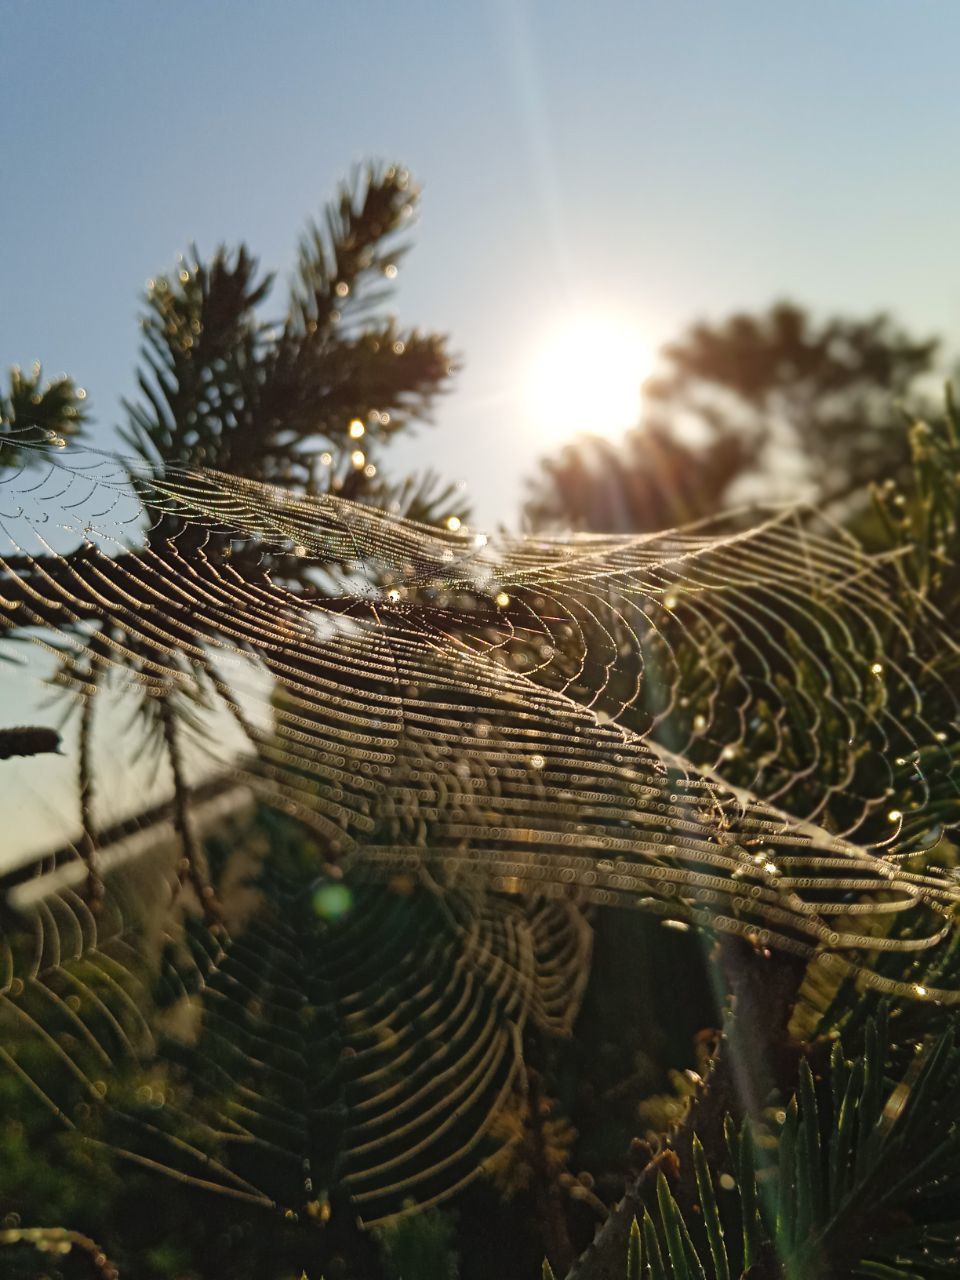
[{"x": 463, "y": 740}]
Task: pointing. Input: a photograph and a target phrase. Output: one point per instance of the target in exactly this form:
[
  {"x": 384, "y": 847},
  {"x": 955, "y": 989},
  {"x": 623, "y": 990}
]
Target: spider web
[{"x": 479, "y": 734}]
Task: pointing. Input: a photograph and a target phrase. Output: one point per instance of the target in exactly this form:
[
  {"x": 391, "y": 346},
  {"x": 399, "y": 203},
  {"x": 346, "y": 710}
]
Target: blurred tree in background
[
  {"x": 652, "y": 480},
  {"x": 757, "y": 405}
]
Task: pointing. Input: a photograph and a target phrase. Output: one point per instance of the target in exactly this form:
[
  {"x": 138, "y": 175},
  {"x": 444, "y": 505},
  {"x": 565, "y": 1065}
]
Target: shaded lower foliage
[{"x": 858, "y": 1175}]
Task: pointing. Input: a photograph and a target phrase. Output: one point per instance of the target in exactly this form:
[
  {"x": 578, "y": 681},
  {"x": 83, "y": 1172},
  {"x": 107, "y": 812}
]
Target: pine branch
[
  {"x": 861, "y": 1178},
  {"x": 35, "y": 416},
  {"x": 753, "y": 1058}
]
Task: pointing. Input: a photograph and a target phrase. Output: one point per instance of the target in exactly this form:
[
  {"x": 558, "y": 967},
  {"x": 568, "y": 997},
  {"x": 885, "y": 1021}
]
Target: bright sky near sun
[{"x": 595, "y": 176}]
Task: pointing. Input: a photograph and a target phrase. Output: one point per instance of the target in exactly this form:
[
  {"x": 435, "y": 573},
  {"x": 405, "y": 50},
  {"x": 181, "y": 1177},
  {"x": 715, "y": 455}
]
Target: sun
[{"x": 587, "y": 376}]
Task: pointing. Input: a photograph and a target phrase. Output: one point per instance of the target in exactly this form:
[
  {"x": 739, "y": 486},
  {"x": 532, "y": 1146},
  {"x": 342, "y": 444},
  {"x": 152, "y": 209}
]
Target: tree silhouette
[
  {"x": 827, "y": 389},
  {"x": 652, "y": 481},
  {"x": 779, "y": 399}
]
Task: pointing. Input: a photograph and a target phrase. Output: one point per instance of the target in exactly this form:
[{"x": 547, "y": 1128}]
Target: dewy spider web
[{"x": 478, "y": 734}]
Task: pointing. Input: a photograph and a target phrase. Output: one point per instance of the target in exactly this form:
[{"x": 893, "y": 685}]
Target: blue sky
[{"x": 664, "y": 158}]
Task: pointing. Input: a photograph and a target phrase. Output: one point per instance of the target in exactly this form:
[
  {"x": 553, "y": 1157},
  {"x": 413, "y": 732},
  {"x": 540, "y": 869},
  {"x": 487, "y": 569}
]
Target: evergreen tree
[{"x": 308, "y": 400}]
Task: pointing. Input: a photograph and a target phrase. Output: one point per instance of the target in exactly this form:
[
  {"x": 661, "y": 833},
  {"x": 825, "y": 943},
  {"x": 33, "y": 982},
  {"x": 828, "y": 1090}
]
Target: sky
[{"x": 659, "y": 160}]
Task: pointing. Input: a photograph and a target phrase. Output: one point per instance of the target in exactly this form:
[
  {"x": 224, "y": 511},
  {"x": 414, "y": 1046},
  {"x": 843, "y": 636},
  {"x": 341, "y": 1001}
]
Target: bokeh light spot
[{"x": 332, "y": 901}]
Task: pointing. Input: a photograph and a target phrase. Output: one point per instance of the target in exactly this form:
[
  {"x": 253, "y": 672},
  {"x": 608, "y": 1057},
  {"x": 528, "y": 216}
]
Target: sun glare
[{"x": 587, "y": 377}]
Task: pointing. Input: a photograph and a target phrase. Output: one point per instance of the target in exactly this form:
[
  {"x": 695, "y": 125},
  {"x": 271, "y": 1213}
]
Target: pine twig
[
  {"x": 58, "y": 1240},
  {"x": 192, "y": 863},
  {"x": 88, "y": 837},
  {"x": 753, "y": 1056}
]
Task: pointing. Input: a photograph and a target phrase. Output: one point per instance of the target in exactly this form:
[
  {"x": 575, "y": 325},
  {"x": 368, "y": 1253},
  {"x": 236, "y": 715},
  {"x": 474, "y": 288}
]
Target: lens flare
[{"x": 587, "y": 376}]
